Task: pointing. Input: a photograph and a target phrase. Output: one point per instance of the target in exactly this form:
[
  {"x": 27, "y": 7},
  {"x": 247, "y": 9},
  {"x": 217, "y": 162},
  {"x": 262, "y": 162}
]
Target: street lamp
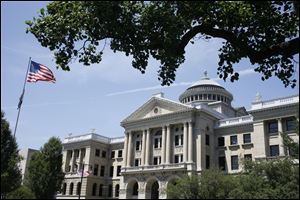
[{"x": 81, "y": 176}]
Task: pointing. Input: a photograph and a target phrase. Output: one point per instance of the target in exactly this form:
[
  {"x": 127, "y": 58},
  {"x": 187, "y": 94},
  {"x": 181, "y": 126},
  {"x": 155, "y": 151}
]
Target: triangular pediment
[{"x": 156, "y": 106}]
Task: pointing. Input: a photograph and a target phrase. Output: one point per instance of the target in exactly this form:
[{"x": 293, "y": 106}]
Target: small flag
[
  {"x": 39, "y": 72},
  {"x": 21, "y": 100}
]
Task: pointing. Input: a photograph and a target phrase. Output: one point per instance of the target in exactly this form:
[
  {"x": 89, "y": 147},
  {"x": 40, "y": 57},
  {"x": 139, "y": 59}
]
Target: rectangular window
[
  {"x": 102, "y": 171},
  {"x": 248, "y": 156},
  {"x": 196, "y": 97},
  {"x": 247, "y": 138},
  {"x": 157, "y": 143},
  {"x": 273, "y": 127},
  {"x": 176, "y": 159},
  {"x": 97, "y": 153},
  {"x": 234, "y": 163},
  {"x": 109, "y": 190},
  {"x": 156, "y": 160},
  {"x": 103, "y": 154},
  {"x": 222, "y": 163},
  {"x": 137, "y": 145},
  {"x": 100, "y": 190},
  {"x": 221, "y": 141},
  {"x": 119, "y": 170},
  {"x": 96, "y": 166},
  {"x": 111, "y": 171},
  {"x": 207, "y": 140},
  {"x": 274, "y": 150},
  {"x": 207, "y": 161},
  {"x": 76, "y": 153},
  {"x": 233, "y": 140},
  {"x": 176, "y": 140},
  {"x": 120, "y": 153},
  {"x": 181, "y": 140},
  {"x": 112, "y": 154},
  {"x": 136, "y": 162},
  {"x": 290, "y": 124}
]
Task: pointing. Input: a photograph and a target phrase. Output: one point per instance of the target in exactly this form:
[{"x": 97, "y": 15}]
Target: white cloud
[{"x": 245, "y": 72}]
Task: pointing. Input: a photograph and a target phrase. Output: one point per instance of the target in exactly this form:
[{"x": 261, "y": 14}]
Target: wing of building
[{"x": 165, "y": 139}]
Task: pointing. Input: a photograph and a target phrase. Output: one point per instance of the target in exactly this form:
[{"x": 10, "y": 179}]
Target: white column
[
  {"x": 143, "y": 147},
  {"x": 147, "y": 148},
  {"x": 80, "y": 159},
  {"x": 168, "y": 144},
  {"x": 185, "y": 142},
  {"x": 73, "y": 160},
  {"x": 280, "y": 131},
  {"x": 125, "y": 150},
  {"x": 129, "y": 149},
  {"x": 190, "y": 154},
  {"x": 163, "y": 145}
]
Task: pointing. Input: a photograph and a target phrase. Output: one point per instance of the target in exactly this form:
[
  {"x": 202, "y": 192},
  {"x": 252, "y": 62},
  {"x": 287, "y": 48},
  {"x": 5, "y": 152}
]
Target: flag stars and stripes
[{"x": 39, "y": 72}]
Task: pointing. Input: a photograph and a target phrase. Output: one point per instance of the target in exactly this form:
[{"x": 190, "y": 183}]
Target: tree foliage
[
  {"x": 10, "y": 172},
  {"x": 45, "y": 170},
  {"x": 265, "y": 32},
  {"x": 260, "y": 180},
  {"x": 22, "y": 192},
  {"x": 289, "y": 144}
]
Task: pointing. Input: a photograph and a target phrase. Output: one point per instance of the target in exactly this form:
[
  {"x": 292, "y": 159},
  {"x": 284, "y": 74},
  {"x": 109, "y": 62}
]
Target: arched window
[
  {"x": 71, "y": 189},
  {"x": 117, "y": 190},
  {"x": 135, "y": 190},
  {"x": 78, "y": 188},
  {"x": 94, "y": 189},
  {"x": 64, "y": 189}
]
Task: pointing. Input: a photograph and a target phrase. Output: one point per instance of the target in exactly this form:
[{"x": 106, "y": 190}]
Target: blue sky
[{"x": 99, "y": 96}]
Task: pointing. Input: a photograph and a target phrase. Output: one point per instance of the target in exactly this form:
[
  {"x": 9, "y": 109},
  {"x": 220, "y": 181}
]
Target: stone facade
[{"x": 165, "y": 140}]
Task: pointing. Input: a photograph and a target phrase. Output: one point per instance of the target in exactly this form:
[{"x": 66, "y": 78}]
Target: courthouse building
[{"x": 165, "y": 139}]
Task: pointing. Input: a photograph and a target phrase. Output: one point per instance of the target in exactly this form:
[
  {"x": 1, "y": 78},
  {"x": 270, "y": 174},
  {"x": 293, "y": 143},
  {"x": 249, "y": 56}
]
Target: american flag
[{"x": 39, "y": 72}]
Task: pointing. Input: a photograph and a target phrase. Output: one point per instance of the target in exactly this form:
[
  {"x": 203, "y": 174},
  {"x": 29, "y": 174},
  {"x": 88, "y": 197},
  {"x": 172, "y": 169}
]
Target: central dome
[
  {"x": 205, "y": 91},
  {"x": 205, "y": 81}
]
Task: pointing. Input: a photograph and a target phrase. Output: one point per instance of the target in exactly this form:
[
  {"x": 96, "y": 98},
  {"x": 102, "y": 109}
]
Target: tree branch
[{"x": 288, "y": 48}]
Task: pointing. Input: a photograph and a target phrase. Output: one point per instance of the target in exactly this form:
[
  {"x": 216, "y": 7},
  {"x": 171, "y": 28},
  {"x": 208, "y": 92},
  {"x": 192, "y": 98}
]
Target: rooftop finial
[
  {"x": 205, "y": 77},
  {"x": 257, "y": 97}
]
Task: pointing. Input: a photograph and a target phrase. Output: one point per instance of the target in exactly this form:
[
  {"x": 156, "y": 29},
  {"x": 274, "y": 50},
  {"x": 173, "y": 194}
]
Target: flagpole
[{"x": 21, "y": 98}]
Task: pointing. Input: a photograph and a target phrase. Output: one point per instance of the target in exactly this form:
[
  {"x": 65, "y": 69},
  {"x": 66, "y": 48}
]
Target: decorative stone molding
[{"x": 178, "y": 150}]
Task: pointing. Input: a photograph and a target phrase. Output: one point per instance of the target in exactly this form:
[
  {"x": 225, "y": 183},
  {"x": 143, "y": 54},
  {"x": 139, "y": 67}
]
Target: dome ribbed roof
[
  {"x": 205, "y": 91},
  {"x": 205, "y": 81}
]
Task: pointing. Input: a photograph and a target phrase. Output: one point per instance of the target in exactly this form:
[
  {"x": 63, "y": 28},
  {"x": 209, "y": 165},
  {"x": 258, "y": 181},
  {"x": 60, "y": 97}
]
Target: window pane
[
  {"x": 234, "y": 163},
  {"x": 273, "y": 127},
  {"x": 290, "y": 124},
  {"x": 113, "y": 154},
  {"x": 247, "y": 138},
  {"x": 137, "y": 145},
  {"x": 120, "y": 153},
  {"x": 248, "y": 156},
  {"x": 176, "y": 140},
  {"x": 274, "y": 150},
  {"x": 233, "y": 140},
  {"x": 207, "y": 139},
  {"x": 222, "y": 163},
  {"x": 97, "y": 153},
  {"x": 221, "y": 141},
  {"x": 207, "y": 161}
]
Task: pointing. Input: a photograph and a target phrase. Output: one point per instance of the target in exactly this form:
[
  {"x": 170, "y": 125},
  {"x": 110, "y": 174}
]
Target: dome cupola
[{"x": 205, "y": 91}]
